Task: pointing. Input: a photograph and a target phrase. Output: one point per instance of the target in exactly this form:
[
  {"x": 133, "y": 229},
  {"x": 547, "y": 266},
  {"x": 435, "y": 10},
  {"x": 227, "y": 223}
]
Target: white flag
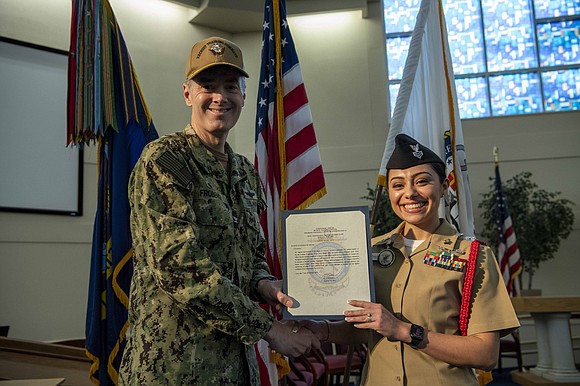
[{"x": 426, "y": 109}]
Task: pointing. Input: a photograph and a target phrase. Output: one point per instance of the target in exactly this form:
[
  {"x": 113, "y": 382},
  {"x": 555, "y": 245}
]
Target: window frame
[{"x": 539, "y": 69}]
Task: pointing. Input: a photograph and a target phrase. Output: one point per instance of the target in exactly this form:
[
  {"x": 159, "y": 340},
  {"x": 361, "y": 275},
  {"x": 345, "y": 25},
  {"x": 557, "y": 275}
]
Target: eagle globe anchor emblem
[{"x": 328, "y": 267}]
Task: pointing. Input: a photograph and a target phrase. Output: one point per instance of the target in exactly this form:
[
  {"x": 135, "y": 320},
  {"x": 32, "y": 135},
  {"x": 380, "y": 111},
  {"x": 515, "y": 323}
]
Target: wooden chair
[
  {"x": 302, "y": 372},
  {"x": 509, "y": 347},
  {"x": 335, "y": 358}
]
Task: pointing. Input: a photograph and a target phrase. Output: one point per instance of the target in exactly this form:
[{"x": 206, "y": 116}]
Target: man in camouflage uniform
[{"x": 199, "y": 266}]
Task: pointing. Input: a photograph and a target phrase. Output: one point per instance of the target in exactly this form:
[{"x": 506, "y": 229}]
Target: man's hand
[
  {"x": 271, "y": 292},
  {"x": 320, "y": 328},
  {"x": 288, "y": 338}
]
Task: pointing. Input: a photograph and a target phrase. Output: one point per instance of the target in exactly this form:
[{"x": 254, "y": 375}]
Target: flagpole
[{"x": 280, "y": 123}]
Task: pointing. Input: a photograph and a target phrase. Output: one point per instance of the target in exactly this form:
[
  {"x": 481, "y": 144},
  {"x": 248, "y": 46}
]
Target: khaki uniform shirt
[
  {"x": 198, "y": 254},
  {"x": 430, "y": 296}
]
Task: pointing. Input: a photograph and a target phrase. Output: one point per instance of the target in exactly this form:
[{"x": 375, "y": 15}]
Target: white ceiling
[{"x": 237, "y": 16}]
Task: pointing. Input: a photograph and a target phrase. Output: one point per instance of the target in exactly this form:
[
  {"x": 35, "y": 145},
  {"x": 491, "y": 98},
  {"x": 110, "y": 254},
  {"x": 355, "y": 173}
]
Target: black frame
[{"x": 288, "y": 315}]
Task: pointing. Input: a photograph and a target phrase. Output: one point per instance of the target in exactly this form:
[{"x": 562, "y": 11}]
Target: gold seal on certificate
[{"x": 327, "y": 261}]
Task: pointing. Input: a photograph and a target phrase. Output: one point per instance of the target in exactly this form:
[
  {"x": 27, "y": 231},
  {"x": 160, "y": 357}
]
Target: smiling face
[
  {"x": 216, "y": 101},
  {"x": 415, "y": 194}
]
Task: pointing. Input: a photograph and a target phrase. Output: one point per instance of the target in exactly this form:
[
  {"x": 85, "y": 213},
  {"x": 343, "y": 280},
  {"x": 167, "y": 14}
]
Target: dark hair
[
  {"x": 440, "y": 170},
  {"x": 438, "y": 167}
]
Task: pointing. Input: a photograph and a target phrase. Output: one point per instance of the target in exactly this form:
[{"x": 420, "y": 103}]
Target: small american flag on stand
[
  {"x": 287, "y": 155},
  {"x": 508, "y": 253}
]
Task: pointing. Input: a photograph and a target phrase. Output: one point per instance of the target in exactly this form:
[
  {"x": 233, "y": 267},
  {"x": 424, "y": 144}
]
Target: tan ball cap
[{"x": 212, "y": 52}]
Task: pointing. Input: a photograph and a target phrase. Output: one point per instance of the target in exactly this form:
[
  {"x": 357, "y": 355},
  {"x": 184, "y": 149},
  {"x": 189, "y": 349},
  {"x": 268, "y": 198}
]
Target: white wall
[{"x": 44, "y": 260}]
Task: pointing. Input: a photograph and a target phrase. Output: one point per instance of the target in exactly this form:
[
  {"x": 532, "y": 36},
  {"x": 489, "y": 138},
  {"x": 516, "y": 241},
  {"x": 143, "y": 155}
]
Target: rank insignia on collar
[
  {"x": 445, "y": 260},
  {"x": 394, "y": 240},
  {"x": 447, "y": 242}
]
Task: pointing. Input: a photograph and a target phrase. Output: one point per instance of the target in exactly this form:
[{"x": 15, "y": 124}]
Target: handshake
[{"x": 293, "y": 338}]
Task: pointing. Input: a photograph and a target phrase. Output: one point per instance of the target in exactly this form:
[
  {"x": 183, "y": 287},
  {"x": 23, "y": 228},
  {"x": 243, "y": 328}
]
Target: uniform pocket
[
  {"x": 251, "y": 210},
  {"x": 215, "y": 230}
]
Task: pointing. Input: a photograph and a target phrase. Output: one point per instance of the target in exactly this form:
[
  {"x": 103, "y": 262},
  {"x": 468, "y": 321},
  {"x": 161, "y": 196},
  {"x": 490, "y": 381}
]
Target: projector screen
[{"x": 38, "y": 172}]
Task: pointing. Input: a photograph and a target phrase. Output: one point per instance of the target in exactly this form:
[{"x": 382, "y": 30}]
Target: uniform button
[
  {"x": 407, "y": 261},
  {"x": 398, "y": 379},
  {"x": 398, "y": 285}
]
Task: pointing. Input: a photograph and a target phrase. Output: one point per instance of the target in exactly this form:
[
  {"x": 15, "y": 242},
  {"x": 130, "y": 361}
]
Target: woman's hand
[
  {"x": 478, "y": 350},
  {"x": 374, "y": 316}
]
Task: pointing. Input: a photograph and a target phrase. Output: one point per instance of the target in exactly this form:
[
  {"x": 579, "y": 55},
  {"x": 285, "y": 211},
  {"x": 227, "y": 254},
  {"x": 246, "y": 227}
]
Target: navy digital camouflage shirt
[{"x": 198, "y": 255}]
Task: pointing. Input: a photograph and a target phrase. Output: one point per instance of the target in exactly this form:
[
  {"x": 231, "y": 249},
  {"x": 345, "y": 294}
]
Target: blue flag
[{"x": 105, "y": 105}]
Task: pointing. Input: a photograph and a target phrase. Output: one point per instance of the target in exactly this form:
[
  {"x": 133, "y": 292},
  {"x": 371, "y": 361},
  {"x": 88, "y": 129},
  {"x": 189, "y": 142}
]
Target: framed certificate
[{"x": 327, "y": 261}]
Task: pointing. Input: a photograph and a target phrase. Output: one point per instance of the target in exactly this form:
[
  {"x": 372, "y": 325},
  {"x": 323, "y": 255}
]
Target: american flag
[
  {"x": 287, "y": 155},
  {"x": 508, "y": 252}
]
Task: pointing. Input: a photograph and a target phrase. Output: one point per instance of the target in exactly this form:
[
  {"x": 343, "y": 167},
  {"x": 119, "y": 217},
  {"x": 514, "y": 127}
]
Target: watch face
[
  {"x": 417, "y": 332},
  {"x": 417, "y": 335}
]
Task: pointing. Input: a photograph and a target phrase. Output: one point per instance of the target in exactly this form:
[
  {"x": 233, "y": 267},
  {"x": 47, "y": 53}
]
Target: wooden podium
[
  {"x": 555, "y": 355},
  {"x": 30, "y": 363}
]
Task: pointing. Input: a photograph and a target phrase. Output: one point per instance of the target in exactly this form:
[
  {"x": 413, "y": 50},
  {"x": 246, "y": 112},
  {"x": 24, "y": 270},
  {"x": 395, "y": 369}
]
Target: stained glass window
[
  {"x": 465, "y": 39},
  {"x": 509, "y": 57},
  {"x": 509, "y": 35},
  {"x": 397, "y": 51},
  {"x": 559, "y": 43},
  {"x": 472, "y": 97},
  {"x": 561, "y": 90},
  {"x": 400, "y": 15},
  {"x": 515, "y": 94},
  {"x": 556, "y": 8}
]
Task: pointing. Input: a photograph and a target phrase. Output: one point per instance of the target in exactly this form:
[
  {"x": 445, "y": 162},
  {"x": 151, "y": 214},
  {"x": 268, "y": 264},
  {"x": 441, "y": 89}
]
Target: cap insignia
[
  {"x": 217, "y": 49},
  {"x": 416, "y": 152}
]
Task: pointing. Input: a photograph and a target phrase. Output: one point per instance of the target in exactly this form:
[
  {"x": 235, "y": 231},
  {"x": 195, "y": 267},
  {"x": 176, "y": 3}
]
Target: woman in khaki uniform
[{"x": 413, "y": 331}]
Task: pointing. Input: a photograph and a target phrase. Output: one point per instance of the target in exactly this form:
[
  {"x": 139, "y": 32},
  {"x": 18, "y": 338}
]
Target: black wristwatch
[{"x": 417, "y": 335}]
